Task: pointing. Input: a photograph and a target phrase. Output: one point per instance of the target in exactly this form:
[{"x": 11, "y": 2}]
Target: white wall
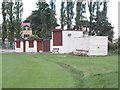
[
  {"x": 84, "y": 43},
  {"x": 19, "y": 49},
  {"x": 70, "y": 43},
  {"x": 52, "y": 47},
  {"x": 96, "y": 45},
  {"x": 28, "y": 49},
  {"x": 99, "y": 45}
]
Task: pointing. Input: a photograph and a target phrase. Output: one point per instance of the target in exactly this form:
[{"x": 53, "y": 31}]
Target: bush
[
  {"x": 113, "y": 48},
  {"x": 34, "y": 37}
]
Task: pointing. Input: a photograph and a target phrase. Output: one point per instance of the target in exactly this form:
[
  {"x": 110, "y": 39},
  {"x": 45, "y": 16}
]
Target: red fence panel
[
  {"x": 24, "y": 46},
  {"x": 57, "y": 38},
  {"x": 46, "y": 45},
  {"x": 39, "y": 46},
  {"x": 18, "y": 44},
  {"x": 31, "y": 43}
]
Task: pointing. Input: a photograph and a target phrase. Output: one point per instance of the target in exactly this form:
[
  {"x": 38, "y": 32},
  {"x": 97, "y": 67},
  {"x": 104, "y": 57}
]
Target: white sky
[{"x": 30, "y": 5}]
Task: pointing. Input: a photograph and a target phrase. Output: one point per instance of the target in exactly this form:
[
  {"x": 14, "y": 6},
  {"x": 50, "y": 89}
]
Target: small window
[
  {"x": 18, "y": 44},
  {"x": 26, "y": 35},
  {"x": 31, "y": 44}
]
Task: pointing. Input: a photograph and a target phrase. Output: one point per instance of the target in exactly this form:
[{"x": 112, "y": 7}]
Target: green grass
[
  {"x": 59, "y": 71},
  {"x": 0, "y": 71}
]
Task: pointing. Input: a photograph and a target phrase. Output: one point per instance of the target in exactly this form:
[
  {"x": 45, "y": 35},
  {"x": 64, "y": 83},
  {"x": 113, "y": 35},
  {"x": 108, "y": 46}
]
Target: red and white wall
[
  {"x": 19, "y": 46},
  {"x": 32, "y": 46},
  {"x": 65, "y": 41},
  {"x": 69, "y": 41}
]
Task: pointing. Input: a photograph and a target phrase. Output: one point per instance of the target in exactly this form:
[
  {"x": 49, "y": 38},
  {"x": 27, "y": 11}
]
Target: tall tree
[
  {"x": 4, "y": 24},
  {"x": 104, "y": 28},
  {"x": 91, "y": 6},
  {"x": 11, "y": 29},
  {"x": 52, "y": 5},
  {"x": 52, "y": 13},
  {"x": 63, "y": 14},
  {"x": 42, "y": 24},
  {"x": 70, "y": 13},
  {"x": 18, "y": 10},
  {"x": 97, "y": 17},
  {"x": 42, "y": 7},
  {"x": 80, "y": 9}
]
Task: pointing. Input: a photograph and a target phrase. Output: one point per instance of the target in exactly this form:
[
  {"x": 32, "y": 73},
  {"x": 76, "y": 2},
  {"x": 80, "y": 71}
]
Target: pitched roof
[{"x": 25, "y": 24}]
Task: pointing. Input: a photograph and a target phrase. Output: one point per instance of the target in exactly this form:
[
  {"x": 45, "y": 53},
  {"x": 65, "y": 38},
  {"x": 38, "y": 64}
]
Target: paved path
[{"x": 7, "y": 50}]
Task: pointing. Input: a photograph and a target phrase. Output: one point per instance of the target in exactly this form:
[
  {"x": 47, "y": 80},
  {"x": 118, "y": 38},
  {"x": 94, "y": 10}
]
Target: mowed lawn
[
  {"x": 0, "y": 71},
  {"x": 59, "y": 71}
]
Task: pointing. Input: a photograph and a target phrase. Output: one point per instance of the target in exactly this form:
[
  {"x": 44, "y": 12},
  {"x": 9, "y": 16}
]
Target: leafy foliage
[
  {"x": 18, "y": 9},
  {"x": 103, "y": 27},
  {"x": 70, "y": 13},
  {"x": 43, "y": 20},
  {"x": 99, "y": 24},
  {"x": 34, "y": 37},
  {"x": 119, "y": 45},
  {"x": 11, "y": 27},
  {"x": 91, "y": 6},
  {"x": 4, "y": 24},
  {"x": 80, "y": 9},
  {"x": 63, "y": 15},
  {"x": 12, "y": 12}
]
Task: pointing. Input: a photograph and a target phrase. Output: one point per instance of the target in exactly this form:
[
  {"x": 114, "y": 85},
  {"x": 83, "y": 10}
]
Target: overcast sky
[{"x": 30, "y": 5}]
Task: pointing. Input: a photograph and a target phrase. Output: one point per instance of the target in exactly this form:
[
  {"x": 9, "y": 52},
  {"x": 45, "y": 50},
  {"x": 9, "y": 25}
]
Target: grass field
[
  {"x": 59, "y": 71},
  {"x": 0, "y": 71}
]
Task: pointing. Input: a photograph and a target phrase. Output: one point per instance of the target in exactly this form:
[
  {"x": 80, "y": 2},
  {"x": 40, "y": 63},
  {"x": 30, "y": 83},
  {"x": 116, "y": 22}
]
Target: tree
[
  {"x": 35, "y": 21},
  {"x": 91, "y": 6},
  {"x": 62, "y": 15},
  {"x": 52, "y": 13},
  {"x": 119, "y": 45},
  {"x": 11, "y": 12},
  {"x": 11, "y": 29},
  {"x": 98, "y": 4},
  {"x": 18, "y": 9},
  {"x": 43, "y": 20},
  {"x": 4, "y": 24},
  {"x": 103, "y": 27},
  {"x": 42, "y": 10},
  {"x": 70, "y": 13},
  {"x": 80, "y": 9},
  {"x": 98, "y": 23},
  {"x": 52, "y": 5}
]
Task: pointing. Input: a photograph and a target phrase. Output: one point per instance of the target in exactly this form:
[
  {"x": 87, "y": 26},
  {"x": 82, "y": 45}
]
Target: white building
[
  {"x": 95, "y": 45},
  {"x": 32, "y": 45},
  {"x": 26, "y": 31},
  {"x": 68, "y": 41},
  {"x": 65, "y": 41}
]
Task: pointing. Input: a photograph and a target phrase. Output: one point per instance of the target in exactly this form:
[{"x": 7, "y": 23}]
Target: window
[
  {"x": 57, "y": 38},
  {"x": 18, "y": 44},
  {"x": 26, "y": 35},
  {"x": 31, "y": 44}
]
